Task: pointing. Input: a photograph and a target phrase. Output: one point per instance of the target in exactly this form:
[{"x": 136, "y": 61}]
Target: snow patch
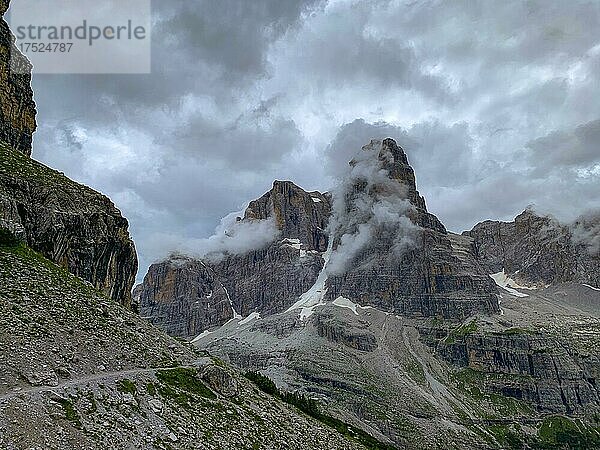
[
  {"x": 315, "y": 295},
  {"x": 236, "y": 315},
  {"x": 251, "y": 317},
  {"x": 201, "y": 335},
  {"x": 592, "y": 287},
  {"x": 508, "y": 284},
  {"x": 316, "y": 199},
  {"x": 343, "y": 302}
]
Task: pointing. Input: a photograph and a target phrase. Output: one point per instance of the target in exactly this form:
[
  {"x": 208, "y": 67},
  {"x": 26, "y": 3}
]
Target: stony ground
[{"x": 78, "y": 371}]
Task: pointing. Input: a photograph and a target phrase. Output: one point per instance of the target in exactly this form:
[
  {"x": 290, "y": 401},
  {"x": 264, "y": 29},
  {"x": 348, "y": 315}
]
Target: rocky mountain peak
[
  {"x": 538, "y": 250},
  {"x": 392, "y": 160},
  {"x": 298, "y": 214},
  {"x": 389, "y": 252}
]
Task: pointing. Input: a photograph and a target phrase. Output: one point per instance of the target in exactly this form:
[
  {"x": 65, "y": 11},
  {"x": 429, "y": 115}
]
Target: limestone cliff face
[
  {"x": 70, "y": 224},
  {"x": 532, "y": 367},
  {"x": 421, "y": 277},
  {"x": 537, "y": 250},
  {"x": 184, "y": 297},
  {"x": 298, "y": 214},
  {"x": 17, "y": 108},
  {"x": 430, "y": 278},
  {"x": 188, "y": 298},
  {"x": 271, "y": 279}
]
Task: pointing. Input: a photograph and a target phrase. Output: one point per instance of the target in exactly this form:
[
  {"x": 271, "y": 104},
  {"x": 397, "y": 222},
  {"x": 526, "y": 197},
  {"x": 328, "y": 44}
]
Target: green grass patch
[
  {"x": 70, "y": 413},
  {"x": 506, "y": 437},
  {"x": 127, "y": 386},
  {"x": 416, "y": 372},
  {"x": 558, "y": 432},
  {"x": 461, "y": 332},
  {"x": 183, "y": 386}
]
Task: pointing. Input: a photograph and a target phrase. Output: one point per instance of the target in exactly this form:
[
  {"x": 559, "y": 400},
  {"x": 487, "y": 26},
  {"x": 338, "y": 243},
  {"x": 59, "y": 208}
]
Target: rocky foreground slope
[{"x": 80, "y": 371}]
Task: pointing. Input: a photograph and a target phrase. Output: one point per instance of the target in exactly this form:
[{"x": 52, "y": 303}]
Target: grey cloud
[
  {"x": 342, "y": 48},
  {"x": 579, "y": 147},
  {"x": 381, "y": 206},
  {"x": 231, "y": 34},
  {"x": 231, "y": 237},
  {"x": 586, "y": 231}
]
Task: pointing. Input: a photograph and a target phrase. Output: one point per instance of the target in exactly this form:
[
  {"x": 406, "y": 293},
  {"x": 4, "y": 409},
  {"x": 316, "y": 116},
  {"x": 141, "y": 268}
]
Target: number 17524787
[{"x": 40, "y": 47}]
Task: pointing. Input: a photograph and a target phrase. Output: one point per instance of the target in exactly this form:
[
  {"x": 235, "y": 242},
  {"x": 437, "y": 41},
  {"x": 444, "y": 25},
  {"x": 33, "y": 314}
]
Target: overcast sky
[{"x": 496, "y": 103}]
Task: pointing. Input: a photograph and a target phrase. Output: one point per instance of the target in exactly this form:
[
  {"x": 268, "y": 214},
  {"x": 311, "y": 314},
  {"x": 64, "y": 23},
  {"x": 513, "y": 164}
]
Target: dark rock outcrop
[
  {"x": 298, "y": 214},
  {"x": 17, "y": 108},
  {"x": 271, "y": 279},
  {"x": 537, "y": 250},
  {"x": 183, "y": 296},
  {"x": 70, "y": 224},
  {"x": 424, "y": 279},
  {"x": 532, "y": 367}
]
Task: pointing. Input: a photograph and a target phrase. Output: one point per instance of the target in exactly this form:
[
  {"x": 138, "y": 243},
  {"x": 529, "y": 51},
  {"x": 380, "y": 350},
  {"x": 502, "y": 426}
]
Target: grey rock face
[
  {"x": 183, "y": 297},
  {"x": 269, "y": 280},
  {"x": 70, "y": 224},
  {"x": 428, "y": 279},
  {"x": 532, "y": 367},
  {"x": 298, "y": 214},
  {"x": 425, "y": 279},
  {"x": 334, "y": 330},
  {"x": 537, "y": 250},
  {"x": 265, "y": 280},
  {"x": 17, "y": 108}
]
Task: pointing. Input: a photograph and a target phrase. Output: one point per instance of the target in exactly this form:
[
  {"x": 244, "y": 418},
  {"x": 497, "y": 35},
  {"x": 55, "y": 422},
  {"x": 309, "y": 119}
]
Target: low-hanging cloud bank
[
  {"x": 586, "y": 232},
  {"x": 232, "y": 237},
  {"x": 368, "y": 204}
]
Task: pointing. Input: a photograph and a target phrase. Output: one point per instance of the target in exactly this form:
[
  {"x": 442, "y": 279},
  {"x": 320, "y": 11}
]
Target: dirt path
[{"x": 82, "y": 380}]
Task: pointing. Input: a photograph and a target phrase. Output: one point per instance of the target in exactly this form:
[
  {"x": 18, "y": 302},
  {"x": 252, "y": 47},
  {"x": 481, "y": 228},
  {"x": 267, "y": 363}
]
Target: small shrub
[
  {"x": 151, "y": 389},
  {"x": 264, "y": 383},
  {"x": 8, "y": 239},
  {"x": 127, "y": 386},
  {"x": 70, "y": 412}
]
